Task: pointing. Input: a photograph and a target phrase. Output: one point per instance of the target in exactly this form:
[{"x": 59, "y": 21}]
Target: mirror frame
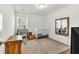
[{"x": 64, "y": 34}]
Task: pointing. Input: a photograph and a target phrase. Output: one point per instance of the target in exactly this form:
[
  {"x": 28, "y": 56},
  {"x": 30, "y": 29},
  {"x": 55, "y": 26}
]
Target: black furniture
[
  {"x": 42, "y": 36},
  {"x": 74, "y": 40}
]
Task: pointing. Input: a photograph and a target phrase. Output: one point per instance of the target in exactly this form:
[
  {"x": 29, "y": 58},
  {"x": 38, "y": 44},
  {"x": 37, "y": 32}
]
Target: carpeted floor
[{"x": 44, "y": 46}]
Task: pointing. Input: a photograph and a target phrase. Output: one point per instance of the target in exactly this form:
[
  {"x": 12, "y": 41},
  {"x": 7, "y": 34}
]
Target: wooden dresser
[{"x": 13, "y": 46}]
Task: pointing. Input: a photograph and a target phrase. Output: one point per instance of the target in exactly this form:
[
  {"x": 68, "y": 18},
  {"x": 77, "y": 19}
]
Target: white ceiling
[{"x": 32, "y": 8}]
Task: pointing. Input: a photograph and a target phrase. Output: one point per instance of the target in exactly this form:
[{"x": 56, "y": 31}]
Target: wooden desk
[{"x": 13, "y": 46}]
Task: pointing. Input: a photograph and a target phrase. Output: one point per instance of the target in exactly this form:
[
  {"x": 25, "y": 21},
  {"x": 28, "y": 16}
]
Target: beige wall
[
  {"x": 7, "y": 12},
  {"x": 34, "y": 21},
  {"x": 72, "y": 12}
]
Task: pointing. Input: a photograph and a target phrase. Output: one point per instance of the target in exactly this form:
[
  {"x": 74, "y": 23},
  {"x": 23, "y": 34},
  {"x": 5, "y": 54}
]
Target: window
[
  {"x": 21, "y": 25},
  {"x": 0, "y": 22},
  {"x": 22, "y": 22}
]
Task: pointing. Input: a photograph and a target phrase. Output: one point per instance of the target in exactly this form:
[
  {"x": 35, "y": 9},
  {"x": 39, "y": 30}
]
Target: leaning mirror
[{"x": 62, "y": 26}]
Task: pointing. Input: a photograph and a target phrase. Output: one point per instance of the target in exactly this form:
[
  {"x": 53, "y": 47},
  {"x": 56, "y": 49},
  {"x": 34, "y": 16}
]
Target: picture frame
[{"x": 62, "y": 26}]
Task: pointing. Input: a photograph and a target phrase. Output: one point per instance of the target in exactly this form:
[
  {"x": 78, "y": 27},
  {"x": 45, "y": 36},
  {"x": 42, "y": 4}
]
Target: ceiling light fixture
[
  {"x": 23, "y": 9},
  {"x": 42, "y": 6}
]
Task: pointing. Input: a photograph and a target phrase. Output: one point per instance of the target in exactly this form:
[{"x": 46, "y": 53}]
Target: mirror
[{"x": 62, "y": 26}]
